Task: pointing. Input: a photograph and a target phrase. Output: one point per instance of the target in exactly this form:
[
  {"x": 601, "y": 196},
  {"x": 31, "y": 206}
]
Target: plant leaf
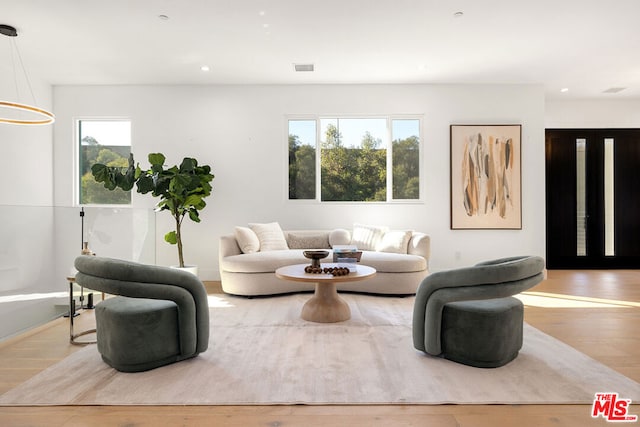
[
  {"x": 188, "y": 164},
  {"x": 171, "y": 237},
  {"x": 156, "y": 159},
  {"x": 194, "y": 200},
  {"x": 145, "y": 184},
  {"x": 194, "y": 216},
  {"x": 100, "y": 172}
]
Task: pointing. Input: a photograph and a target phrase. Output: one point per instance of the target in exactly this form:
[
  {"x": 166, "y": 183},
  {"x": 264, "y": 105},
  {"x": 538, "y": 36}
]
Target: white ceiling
[{"x": 587, "y": 46}]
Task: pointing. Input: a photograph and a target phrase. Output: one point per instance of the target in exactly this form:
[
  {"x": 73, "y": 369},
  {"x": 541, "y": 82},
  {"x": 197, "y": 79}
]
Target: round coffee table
[{"x": 326, "y": 306}]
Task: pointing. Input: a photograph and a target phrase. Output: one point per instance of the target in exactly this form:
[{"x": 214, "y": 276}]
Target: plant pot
[{"x": 193, "y": 269}]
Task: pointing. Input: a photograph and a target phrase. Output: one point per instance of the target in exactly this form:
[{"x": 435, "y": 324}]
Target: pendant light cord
[{"x": 14, "y": 47}]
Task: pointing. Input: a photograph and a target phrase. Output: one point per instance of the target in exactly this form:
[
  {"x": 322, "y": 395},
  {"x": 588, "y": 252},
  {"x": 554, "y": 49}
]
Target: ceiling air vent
[
  {"x": 614, "y": 90},
  {"x": 303, "y": 67}
]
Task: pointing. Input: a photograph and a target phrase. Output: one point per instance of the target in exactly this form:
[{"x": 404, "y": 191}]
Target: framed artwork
[{"x": 486, "y": 190}]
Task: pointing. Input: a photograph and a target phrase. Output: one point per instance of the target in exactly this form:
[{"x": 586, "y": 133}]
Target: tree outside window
[
  {"x": 107, "y": 142},
  {"x": 406, "y": 159},
  {"x": 355, "y": 162},
  {"x": 302, "y": 159}
]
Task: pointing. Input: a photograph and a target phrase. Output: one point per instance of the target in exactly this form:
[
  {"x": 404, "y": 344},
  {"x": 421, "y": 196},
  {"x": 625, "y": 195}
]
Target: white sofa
[{"x": 400, "y": 266}]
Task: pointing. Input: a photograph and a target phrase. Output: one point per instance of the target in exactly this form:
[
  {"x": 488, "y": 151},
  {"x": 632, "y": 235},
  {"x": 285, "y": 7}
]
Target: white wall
[
  {"x": 27, "y": 255},
  {"x": 241, "y": 132},
  {"x": 592, "y": 114}
]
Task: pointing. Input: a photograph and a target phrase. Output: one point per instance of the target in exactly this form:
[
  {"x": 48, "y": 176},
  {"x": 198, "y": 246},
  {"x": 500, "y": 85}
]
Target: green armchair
[
  {"x": 159, "y": 316},
  {"x": 469, "y": 315}
]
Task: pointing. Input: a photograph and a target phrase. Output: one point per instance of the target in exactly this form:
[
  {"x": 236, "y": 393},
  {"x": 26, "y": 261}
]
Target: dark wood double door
[{"x": 593, "y": 198}]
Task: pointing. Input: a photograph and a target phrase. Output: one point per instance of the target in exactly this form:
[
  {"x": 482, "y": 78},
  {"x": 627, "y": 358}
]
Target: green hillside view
[
  {"x": 353, "y": 173},
  {"x": 92, "y": 192}
]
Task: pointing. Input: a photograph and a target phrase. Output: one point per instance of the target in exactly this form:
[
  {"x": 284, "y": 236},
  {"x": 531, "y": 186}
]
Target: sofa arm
[
  {"x": 420, "y": 244},
  {"x": 228, "y": 246}
]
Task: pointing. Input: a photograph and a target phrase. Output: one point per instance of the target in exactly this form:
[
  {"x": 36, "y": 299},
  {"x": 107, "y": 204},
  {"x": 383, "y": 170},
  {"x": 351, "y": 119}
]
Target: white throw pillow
[
  {"x": 396, "y": 241},
  {"x": 367, "y": 237},
  {"x": 339, "y": 236},
  {"x": 247, "y": 240},
  {"x": 270, "y": 236}
]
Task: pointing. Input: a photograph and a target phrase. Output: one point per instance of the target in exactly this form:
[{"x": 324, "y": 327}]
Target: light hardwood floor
[{"x": 596, "y": 312}]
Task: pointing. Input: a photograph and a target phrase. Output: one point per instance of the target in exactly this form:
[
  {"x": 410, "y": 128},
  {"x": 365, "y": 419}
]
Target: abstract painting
[{"x": 486, "y": 177}]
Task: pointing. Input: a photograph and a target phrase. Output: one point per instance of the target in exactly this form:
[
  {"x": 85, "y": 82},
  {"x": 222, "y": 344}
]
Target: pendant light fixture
[{"x": 37, "y": 116}]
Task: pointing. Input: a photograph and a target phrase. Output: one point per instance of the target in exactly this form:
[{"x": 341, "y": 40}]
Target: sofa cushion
[
  {"x": 247, "y": 240},
  {"x": 270, "y": 236},
  {"x": 395, "y": 241},
  {"x": 367, "y": 237},
  {"x": 263, "y": 262},
  {"x": 308, "y": 241},
  {"x": 387, "y": 262}
]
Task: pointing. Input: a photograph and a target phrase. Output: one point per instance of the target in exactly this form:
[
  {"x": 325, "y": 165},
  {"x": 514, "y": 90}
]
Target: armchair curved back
[
  {"x": 130, "y": 279},
  {"x": 487, "y": 280}
]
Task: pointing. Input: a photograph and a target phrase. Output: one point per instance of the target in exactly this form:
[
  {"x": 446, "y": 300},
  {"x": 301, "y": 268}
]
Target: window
[
  {"x": 107, "y": 142},
  {"x": 352, "y": 161},
  {"x": 302, "y": 159}
]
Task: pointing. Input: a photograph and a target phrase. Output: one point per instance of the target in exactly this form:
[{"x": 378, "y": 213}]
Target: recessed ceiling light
[
  {"x": 262, "y": 13},
  {"x": 303, "y": 67},
  {"x": 163, "y": 17},
  {"x": 205, "y": 68},
  {"x": 564, "y": 90},
  {"x": 458, "y": 14}
]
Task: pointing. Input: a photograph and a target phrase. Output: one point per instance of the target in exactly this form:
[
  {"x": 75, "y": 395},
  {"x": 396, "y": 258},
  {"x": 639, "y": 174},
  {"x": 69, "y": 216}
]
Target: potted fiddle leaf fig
[{"x": 181, "y": 189}]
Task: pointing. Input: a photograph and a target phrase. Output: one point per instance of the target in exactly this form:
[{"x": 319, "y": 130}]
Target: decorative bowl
[{"x": 315, "y": 256}]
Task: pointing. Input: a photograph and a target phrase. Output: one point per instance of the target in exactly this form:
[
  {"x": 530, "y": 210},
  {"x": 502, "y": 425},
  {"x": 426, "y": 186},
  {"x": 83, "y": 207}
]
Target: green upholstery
[
  {"x": 482, "y": 333},
  {"x": 161, "y": 317},
  {"x": 136, "y": 334},
  {"x": 494, "y": 279}
]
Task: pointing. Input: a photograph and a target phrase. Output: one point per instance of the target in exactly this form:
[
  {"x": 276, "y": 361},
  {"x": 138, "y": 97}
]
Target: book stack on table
[{"x": 346, "y": 256}]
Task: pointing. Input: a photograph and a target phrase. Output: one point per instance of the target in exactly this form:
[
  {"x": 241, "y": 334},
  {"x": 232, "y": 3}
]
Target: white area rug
[{"x": 261, "y": 352}]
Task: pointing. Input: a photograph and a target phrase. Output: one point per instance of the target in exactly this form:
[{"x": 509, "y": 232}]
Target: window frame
[
  {"x": 77, "y": 179},
  {"x": 389, "y": 184}
]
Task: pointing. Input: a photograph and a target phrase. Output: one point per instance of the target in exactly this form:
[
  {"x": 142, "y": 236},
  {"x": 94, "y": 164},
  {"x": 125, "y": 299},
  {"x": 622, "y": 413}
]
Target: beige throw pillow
[
  {"x": 247, "y": 240},
  {"x": 270, "y": 236},
  {"x": 308, "y": 241},
  {"x": 395, "y": 241},
  {"x": 339, "y": 236},
  {"x": 367, "y": 237}
]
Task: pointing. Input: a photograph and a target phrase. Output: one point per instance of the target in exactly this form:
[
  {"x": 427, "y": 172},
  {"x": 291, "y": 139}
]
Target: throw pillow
[
  {"x": 395, "y": 241},
  {"x": 270, "y": 236},
  {"x": 339, "y": 236},
  {"x": 247, "y": 240},
  {"x": 367, "y": 237},
  {"x": 308, "y": 241}
]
